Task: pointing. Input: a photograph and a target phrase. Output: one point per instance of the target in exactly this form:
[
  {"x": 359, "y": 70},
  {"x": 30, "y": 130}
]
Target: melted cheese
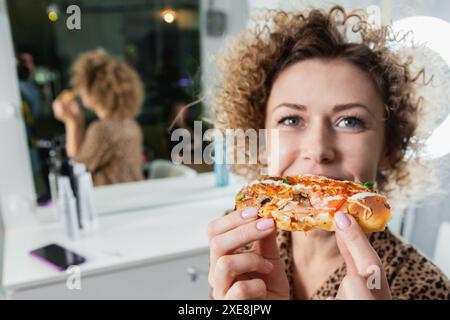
[{"x": 362, "y": 195}]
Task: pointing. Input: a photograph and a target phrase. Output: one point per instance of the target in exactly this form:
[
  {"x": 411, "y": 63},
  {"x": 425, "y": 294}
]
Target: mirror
[{"x": 158, "y": 40}]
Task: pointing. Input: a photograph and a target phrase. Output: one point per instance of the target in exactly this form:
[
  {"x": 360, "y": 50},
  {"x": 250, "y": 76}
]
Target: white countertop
[{"x": 127, "y": 239}]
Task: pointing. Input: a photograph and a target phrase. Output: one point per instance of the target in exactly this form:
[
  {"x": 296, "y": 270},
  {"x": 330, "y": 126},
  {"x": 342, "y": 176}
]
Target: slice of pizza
[{"x": 302, "y": 203}]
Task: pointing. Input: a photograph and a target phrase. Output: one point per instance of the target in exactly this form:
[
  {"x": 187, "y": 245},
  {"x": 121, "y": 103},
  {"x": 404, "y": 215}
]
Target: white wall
[{"x": 237, "y": 16}]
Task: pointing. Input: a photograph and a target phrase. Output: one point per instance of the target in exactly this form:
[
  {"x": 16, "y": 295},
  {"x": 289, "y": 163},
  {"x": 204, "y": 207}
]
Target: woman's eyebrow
[
  {"x": 295, "y": 106},
  {"x": 346, "y": 106},
  {"x": 337, "y": 108}
]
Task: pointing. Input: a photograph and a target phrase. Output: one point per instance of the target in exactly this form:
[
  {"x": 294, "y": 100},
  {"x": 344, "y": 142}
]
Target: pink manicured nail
[
  {"x": 342, "y": 220},
  {"x": 264, "y": 224},
  {"x": 248, "y": 213}
]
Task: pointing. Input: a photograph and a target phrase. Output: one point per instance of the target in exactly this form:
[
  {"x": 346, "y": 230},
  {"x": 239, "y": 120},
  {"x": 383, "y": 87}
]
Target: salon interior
[{"x": 142, "y": 233}]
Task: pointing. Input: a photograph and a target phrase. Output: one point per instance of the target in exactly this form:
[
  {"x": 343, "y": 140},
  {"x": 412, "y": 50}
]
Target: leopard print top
[{"x": 410, "y": 275}]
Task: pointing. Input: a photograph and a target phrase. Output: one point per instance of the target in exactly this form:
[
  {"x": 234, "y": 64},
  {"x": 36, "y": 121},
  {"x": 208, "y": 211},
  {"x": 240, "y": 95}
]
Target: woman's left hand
[{"x": 365, "y": 278}]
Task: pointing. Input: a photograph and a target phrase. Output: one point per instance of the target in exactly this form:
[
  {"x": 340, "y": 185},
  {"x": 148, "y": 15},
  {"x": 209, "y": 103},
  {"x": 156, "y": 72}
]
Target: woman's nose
[{"x": 319, "y": 145}]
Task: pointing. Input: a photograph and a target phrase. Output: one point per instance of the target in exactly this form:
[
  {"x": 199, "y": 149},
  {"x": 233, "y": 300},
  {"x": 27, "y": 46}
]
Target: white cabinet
[{"x": 178, "y": 278}]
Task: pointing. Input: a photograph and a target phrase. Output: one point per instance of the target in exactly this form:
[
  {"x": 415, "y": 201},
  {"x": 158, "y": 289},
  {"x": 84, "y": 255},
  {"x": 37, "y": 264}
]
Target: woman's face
[{"x": 330, "y": 120}]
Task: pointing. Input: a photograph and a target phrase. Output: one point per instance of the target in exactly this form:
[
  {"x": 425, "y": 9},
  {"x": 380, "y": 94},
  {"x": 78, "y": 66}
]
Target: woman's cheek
[
  {"x": 283, "y": 150},
  {"x": 360, "y": 159}
]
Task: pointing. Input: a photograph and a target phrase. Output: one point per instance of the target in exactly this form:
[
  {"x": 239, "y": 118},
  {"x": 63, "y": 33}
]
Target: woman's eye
[
  {"x": 351, "y": 122},
  {"x": 290, "y": 121}
]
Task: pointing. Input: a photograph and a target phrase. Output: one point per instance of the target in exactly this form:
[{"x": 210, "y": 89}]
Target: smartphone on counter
[{"x": 57, "y": 257}]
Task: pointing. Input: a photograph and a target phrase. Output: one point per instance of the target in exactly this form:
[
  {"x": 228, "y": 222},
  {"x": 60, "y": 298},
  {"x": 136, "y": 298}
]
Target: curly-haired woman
[
  {"x": 111, "y": 148},
  {"x": 346, "y": 107}
]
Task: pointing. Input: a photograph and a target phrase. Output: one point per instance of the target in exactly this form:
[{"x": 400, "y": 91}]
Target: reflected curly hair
[
  {"x": 250, "y": 65},
  {"x": 109, "y": 82}
]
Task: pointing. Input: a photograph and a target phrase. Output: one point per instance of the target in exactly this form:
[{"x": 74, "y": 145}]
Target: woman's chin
[{"x": 315, "y": 233}]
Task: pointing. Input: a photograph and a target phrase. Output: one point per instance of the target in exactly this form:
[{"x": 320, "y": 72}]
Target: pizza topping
[
  {"x": 239, "y": 197},
  {"x": 281, "y": 204},
  {"x": 368, "y": 185},
  {"x": 268, "y": 181},
  {"x": 299, "y": 187},
  {"x": 302, "y": 198},
  {"x": 362, "y": 195},
  {"x": 337, "y": 205}
]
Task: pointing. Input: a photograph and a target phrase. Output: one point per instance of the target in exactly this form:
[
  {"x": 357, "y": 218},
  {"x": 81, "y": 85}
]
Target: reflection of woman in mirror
[
  {"x": 347, "y": 109},
  {"x": 111, "y": 148}
]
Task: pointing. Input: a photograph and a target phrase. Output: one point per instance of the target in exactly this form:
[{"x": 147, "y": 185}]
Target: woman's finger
[
  {"x": 353, "y": 287},
  {"x": 349, "y": 234},
  {"x": 349, "y": 263},
  {"x": 231, "y": 220},
  {"x": 228, "y": 268},
  {"x": 365, "y": 278},
  {"x": 57, "y": 105},
  {"x": 58, "y": 110},
  {"x": 268, "y": 247},
  {"x": 232, "y": 240},
  {"x": 247, "y": 290},
  {"x": 224, "y": 224}
]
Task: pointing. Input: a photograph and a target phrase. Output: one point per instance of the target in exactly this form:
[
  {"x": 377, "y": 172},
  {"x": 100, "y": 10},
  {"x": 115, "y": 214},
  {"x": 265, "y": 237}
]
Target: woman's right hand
[
  {"x": 259, "y": 274},
  {"x": 66, "y": 110}
]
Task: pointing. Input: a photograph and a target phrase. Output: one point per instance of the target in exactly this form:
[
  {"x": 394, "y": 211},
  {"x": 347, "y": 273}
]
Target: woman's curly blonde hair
[
  {"x": 252, "y": 62},
  {"x": 110, "y": 83}
]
